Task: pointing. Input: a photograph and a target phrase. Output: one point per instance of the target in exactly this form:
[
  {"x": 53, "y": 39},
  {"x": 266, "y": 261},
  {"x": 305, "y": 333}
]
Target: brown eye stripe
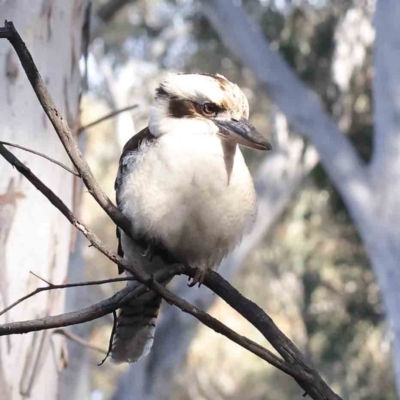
[
  {"x": 182, "y": 108},
  {"x": 179, "y": 108}
]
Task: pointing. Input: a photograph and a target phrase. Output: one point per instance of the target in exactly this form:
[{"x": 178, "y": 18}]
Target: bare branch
[
  {"x": 65, "y": 286},
  {"x": 281, "y": 343},
  {"x": 127, "y": 294},
  {"x": 77, "y": 339},
  {"x": 99, "y": 310},
  {"x": 17, "y": 146},
  {"x": 41, "y": 279},
  {"x": 87, "y": 314},
  {"x": 106, "y": 117}
]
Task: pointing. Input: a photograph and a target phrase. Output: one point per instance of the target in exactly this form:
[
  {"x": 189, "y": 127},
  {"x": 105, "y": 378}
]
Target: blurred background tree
[{"x": 304, "y": 263}]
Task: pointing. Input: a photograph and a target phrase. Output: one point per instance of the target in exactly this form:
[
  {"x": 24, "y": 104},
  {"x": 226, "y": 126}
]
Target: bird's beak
[{"x": 242, "y": 132}]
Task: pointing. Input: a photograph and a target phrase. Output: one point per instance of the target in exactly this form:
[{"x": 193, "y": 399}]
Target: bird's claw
[{"x": 198, "y": 277}]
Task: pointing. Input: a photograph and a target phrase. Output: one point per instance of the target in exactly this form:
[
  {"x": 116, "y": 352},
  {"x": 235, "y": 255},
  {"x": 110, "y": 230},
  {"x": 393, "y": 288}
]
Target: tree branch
[
  {"x": 65, "y": 286},
  {"x": 106, "y": 117},
  {"x": 305, "y": 375},
  {"x": 115, "y": 302},
  {"x": 17, "y": 146},
  {"x": 77, "y": 339},
  {"x": 311, "y": 382}
]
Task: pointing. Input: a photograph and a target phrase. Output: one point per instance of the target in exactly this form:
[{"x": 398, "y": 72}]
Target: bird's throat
[{"x": 229, "y": 150}]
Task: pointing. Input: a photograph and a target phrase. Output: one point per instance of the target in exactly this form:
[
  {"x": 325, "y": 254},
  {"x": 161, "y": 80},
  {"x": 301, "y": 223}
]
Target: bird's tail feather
[{"x": 136, "y": 326}]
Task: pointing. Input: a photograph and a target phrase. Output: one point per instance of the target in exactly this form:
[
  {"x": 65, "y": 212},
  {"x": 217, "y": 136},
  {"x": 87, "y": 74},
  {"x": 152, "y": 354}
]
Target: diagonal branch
[
  {"x": 17, "y": 146},
  {"x": 77, "y": 339},
  {"x": 115, "y": 302},
  {"x": 64, "y": 286},
  {"x": 106, "y": 117},
  {"x": 264, "y": 323},
  {"x": 295, "y": 366}
]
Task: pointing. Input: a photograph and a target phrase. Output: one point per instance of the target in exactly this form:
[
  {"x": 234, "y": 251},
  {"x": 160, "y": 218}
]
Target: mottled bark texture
[{"x": 33, "y": 235}]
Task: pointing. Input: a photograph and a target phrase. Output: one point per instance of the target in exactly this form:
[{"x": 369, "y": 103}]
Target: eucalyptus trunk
[{"x": 34, "y": 236}]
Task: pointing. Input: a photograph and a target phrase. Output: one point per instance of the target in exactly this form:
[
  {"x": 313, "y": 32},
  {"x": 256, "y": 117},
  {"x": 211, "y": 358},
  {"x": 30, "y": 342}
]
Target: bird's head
[{"x": 204, "y": 103}]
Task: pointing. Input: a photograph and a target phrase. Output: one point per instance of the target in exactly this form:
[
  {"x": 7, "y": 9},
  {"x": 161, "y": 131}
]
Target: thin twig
[
  {"x": 126, "y": 295},
  {"x": 41, "y": 279},
  {"x": 106, "y": 117},
  {"x": 65, "y": 286},
  {"x": 77, "y": 339},
  {"x": 110, "y": 343},
  {"x": 17, "y": 146}
]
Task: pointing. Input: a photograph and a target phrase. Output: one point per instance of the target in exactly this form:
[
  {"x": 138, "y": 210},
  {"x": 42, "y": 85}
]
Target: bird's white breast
[{"x": 177, "y": 191}]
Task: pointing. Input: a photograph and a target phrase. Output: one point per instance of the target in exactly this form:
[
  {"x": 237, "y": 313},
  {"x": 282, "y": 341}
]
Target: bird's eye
[{"x": 210, "y": 110}]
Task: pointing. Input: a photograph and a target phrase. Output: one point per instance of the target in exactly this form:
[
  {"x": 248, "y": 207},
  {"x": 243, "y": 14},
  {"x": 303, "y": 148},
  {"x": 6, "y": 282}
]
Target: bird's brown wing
[
  {"x": 126, "y": 162},
  {"x": 134, "y": 335},
  {"x": 130, "y": 153}
]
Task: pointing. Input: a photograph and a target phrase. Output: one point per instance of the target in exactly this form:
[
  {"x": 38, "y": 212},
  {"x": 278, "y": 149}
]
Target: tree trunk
[
  {"x": 75, "y": 379},
  {"x": 380, "y": 228},
  {"x": 34, "y": 236}
]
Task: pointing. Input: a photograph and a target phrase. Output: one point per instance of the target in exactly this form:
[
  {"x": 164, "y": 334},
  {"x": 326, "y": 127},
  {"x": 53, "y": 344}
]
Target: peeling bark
[{"x": 33, "y": 236}]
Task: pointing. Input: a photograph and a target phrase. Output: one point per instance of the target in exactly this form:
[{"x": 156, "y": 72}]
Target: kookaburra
[{"x": 184, "y": 185}]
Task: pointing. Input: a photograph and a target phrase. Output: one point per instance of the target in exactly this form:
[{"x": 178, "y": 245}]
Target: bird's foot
[
  {"x": 149, "y": 252},
  {"x": 198, "y": 278}
]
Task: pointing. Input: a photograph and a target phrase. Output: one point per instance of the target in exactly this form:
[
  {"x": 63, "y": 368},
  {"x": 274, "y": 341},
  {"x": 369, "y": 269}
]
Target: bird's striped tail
[{"x": 136, "y": 326}]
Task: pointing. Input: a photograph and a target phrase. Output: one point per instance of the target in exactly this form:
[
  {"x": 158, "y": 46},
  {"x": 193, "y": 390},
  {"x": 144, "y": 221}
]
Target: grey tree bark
[
  {"x": 34, "y": 236},
  {"x": 75, "y": 379},
  {"x": 370, "y": 192}
]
